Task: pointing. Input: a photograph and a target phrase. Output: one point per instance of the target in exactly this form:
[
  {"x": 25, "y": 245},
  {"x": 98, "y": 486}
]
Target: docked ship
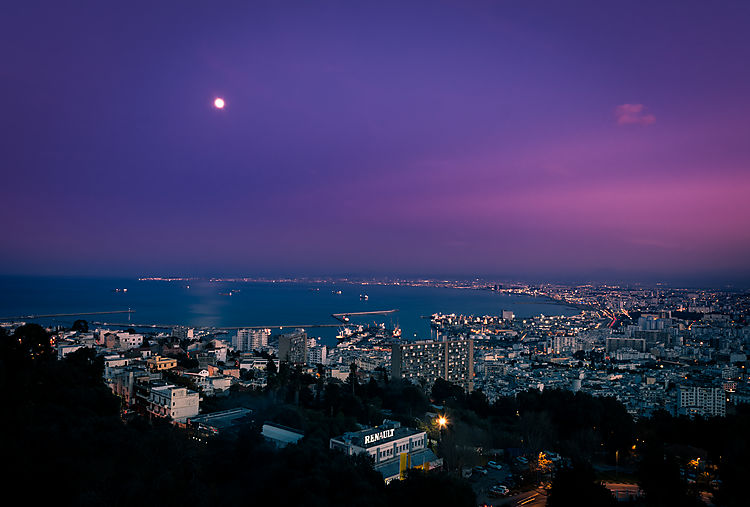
[{"x": 378, "y": 332}]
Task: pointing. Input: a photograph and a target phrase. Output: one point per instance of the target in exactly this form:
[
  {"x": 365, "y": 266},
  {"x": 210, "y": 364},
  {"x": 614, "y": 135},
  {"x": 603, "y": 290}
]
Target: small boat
[{"x": 363, "y": 297}]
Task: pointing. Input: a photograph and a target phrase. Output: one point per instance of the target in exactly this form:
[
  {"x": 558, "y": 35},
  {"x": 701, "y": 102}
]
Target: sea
[{"x": 204, "y": 303}]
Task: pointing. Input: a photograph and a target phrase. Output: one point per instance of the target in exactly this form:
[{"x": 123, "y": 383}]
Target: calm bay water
[{"x": 206, "y": 303}]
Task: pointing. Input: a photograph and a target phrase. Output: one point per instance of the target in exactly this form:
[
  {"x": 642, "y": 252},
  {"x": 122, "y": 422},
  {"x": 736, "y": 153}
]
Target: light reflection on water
[{"x": 253, "y": 304}]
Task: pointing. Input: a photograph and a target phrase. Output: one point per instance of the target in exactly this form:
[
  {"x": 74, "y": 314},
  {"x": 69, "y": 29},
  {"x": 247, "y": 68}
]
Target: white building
[
  {"x": 177, "y": 403},
  {"x": 130, "y": 340},
  {"x": 218, "y": 349},
  {"x": 703, "y": 401},
  {"x": 257, "y": 363},
  {"x": 279, "y": 435},
  {"x": 316, "y": 353},
  {"x": 63, "y": 349},
  {"x": 248, "y": 340},
  {"x": 209, "y": 383},
  {"x": 113, "y": 363},
  {"x": 392, "y": 447}
]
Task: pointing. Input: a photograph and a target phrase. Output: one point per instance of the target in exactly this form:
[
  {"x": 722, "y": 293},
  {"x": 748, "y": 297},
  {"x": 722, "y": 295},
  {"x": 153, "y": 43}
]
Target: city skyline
[{"x": 575, "y": 142}]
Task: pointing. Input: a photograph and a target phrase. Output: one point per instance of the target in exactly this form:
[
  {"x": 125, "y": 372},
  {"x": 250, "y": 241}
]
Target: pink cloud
[{"x": 630, "y": 114}]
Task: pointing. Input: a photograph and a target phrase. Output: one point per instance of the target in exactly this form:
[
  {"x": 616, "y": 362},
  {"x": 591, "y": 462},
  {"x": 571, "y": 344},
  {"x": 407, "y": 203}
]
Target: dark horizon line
[{"x": 637, "y": 279}]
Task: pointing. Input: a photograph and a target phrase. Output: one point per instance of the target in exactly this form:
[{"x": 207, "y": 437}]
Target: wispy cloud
[{"x": 633, "y": 114}]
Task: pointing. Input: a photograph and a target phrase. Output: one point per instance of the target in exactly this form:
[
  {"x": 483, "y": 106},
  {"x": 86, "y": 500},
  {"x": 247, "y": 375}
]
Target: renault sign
[{"x": 381, "y": 435}]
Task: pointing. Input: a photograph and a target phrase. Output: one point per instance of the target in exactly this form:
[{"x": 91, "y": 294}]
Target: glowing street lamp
[{"x": 442, "y": 421}]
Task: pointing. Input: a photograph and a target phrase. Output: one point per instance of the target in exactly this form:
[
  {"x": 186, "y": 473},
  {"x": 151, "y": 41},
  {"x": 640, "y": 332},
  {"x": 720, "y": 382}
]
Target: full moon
[{"x": 219, "y": 103}]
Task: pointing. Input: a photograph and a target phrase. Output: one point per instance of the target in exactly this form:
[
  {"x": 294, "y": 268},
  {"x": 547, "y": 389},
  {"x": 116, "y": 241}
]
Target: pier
[
  {"x": 219, "y": 328},
  {"x": 344, "y": 317},
  {"x": 50, "y": 315}
]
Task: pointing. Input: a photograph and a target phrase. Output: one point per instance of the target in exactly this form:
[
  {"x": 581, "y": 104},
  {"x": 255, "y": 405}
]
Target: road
[
  {"x": 533, "y": 498},
  {"x": 623, "y": 490}
]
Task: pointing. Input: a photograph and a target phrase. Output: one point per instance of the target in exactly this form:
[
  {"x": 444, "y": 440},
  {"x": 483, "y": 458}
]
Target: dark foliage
[
  {"x": 659, "y": 477},
  {"x": 62, "y": 432},
  {"x": 670, "y": 441},
  {"x": 442, "y": 391},
  {"x": 81, "y": 326},
  {"x": 576, "y": 486},
  {"x": 430, "y": 489}
]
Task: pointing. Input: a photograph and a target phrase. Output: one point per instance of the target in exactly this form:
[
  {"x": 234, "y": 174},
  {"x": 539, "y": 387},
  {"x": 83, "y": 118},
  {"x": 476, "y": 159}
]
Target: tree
[
  {"x": 537, "y": 430},
  {"x": 332, "y": 398},
  {"x": 420, "y": 488},
  {"x": 442, "y": 390},
  {"x": 659, "y": 478},
  {"x": 32, "y": 342},
  {"x": 270, "y": 367},
  {"x": 352, "y": 378},
  {"x": 576, "y": 486},
  {"x": 80, "y": 326}
]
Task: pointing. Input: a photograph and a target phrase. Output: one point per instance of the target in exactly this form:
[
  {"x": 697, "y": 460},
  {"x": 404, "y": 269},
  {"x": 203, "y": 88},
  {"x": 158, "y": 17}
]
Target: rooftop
[{"x": 381, "y": 432}]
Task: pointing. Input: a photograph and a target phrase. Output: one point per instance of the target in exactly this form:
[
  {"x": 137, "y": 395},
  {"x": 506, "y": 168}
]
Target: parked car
[
  {"x": 480, "y": 470},
  {"x": 522, "y": 460},
  {"x": 495, "y": 466},
  {"x": 499, "y": 490}
]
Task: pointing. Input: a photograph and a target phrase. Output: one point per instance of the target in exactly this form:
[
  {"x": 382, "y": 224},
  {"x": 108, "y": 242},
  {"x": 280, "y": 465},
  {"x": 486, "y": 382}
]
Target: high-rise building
[
  {"x": 251, "y": 339},
  {"x": 293, "y": 347},
  {"x": 316, "y": 353},
  {"x": 451, "y": 360},
  {"x": 560, "y": 344},
  {"x": 705, "y": 401}
]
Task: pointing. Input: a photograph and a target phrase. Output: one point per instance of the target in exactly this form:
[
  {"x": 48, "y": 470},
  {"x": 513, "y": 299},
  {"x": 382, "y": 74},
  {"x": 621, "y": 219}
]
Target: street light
[
  {"x": 442, "y": 421},
  {"x": 617, "y": 461}
]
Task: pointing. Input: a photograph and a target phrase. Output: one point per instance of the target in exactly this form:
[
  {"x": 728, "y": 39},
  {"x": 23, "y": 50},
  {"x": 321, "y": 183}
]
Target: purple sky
[{"x": 565, "y": 139}]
